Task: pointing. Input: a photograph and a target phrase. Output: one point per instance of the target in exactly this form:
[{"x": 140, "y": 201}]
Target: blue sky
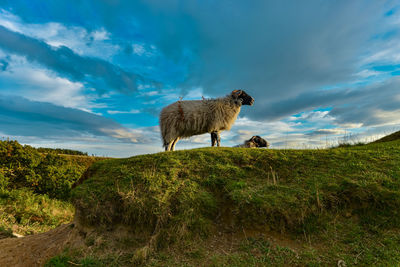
[{"x": 94, "y": 75}]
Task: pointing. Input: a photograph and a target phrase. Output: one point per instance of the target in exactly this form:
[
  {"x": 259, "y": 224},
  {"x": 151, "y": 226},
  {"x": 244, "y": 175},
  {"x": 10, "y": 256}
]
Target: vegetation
[
  {"x": 51, "y": 174},
  {"x": 35, "y": 187},
  {"x": 64, "y": 261},
  {"x": 24, "y": 212},
  {"x": 61, "y": 151},
  {"x": 221, "y": 206},
  {"x": 5, "y": 232}
]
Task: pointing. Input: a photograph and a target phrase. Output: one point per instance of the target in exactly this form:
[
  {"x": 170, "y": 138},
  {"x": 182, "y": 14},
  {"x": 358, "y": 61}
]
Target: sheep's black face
[
  {"x": 260, "y": 142},
  {"x": 244, "y": 97}
]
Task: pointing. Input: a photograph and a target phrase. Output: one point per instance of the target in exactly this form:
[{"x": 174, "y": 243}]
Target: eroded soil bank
[{"x": 35, "y": 250}]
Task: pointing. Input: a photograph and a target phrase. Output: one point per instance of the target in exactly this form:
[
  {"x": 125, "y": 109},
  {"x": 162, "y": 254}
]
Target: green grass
[
  {"x": 330, "y": 205},
  {"x": 66, "y": 261},
  {"x": 25, "y": 213},
  {"x": 5, "y": 232}
]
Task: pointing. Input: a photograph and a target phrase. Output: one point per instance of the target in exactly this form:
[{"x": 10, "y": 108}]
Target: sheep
[
  {"x": 255, "y": 141},
  {"x": 184, "y": 119}
]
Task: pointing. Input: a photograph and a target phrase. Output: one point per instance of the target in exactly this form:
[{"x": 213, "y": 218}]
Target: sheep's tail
[
  {"x": 165, "y": 145},
  {"x": 163, "y": 131}
]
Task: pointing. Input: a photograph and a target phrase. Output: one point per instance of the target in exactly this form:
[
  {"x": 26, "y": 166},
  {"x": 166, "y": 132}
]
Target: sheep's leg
[
  {"x": 174, "y": 143},
  {"x": 218, "y": 139},
  {"x": 213, "y": 138},
  {"x": 168, "y": 146}
]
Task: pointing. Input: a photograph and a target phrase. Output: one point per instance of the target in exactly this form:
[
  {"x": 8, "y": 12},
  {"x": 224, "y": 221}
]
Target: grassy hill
[{"x": 240, "y": 207}]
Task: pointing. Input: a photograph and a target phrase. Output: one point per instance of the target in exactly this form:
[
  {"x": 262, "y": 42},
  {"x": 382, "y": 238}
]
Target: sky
[{"x": 94, "y": 75}]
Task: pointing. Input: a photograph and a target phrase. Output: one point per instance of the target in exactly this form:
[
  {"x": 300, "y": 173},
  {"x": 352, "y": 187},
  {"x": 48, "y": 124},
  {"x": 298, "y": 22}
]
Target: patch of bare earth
[{"x": 35, "y": 250}]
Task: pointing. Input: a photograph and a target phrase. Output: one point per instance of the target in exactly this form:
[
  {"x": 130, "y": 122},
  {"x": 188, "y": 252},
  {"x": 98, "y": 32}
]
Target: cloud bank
[
  {"x": 21, "y": 117},
  {"x": 97, "y": 73}
]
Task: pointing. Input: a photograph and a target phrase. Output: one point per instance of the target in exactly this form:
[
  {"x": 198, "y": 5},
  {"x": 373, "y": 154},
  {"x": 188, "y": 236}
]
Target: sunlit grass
[{"x": 24, "y": 212}]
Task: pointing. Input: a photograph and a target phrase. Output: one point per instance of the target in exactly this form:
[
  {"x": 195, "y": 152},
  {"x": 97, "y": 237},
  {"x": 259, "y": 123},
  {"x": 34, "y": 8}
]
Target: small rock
[{"x": 17, "y": 235}]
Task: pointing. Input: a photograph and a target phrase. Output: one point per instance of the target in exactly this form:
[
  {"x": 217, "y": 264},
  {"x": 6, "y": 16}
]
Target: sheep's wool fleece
[
  {"x": 248, "y": 144},
  {"x": 192, "y": 117}
]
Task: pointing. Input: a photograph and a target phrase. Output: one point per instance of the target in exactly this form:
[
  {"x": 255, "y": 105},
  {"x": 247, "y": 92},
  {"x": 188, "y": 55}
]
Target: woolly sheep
[
  {"x": 183, "y": 119},
  {"x": 255, "y": 141}
]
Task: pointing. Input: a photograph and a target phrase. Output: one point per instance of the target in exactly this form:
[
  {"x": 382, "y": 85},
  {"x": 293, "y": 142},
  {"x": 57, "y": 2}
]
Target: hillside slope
[
  {"x": 391, "y": 137},
  {"x": 325, "y": 206}
]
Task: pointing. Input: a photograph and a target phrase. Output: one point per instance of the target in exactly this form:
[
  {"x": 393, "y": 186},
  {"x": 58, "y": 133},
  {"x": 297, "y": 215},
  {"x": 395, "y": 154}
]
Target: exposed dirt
[
  {"x": 35, "y": 250},
  {"x": 4, "y": 235}
]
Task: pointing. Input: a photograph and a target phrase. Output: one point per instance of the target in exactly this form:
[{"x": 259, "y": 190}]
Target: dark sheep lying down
[{"x": 255, "y": 141}]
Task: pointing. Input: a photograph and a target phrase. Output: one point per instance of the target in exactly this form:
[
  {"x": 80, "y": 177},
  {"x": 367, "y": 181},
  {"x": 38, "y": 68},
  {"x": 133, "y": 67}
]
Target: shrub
[
  {"x": 50, "y": 173},
  {"x": 55, "y": 175}
]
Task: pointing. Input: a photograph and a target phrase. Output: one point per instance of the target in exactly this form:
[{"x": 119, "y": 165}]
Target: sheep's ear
[{"x": 236, "y": 93}]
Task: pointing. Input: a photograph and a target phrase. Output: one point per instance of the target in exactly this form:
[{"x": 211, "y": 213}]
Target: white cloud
[
  {"x": 325, "y": 132},
  {"x": 349, "y": 125},
  {"x": 35, "y": 83},
  {"x": 387, "y": 117},
  {"x": 78, "y": 39},
  {"x": 387, "y": 52},
  {"x": 196, "y": 94},
  {"x": 264, "y": 127},
  {"x": 314, "y": 116},
  {"x": 150, "y": 93},
  {"x": 138, "y": 49},
  {"x": 132, "y": 111},
  {"x": 100, "y": 35},
  {"x": 9, "y": 20},
  {"x": 366, "y": 73},
  {"x": 121, "y": 133}
]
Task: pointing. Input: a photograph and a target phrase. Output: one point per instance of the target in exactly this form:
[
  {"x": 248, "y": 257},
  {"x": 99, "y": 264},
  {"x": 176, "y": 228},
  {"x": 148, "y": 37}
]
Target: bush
[
  {"x": 61, "y": 151},
  {"x": 55, "y": 176},
  {"x": 50, "y": 173},
  {"x": 16, "y": 162},
  {"x": 4, "y": 177}
]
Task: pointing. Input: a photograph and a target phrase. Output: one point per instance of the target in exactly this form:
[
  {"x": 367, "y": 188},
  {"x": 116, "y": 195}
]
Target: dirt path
[{"x": 35, "y": 250}]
